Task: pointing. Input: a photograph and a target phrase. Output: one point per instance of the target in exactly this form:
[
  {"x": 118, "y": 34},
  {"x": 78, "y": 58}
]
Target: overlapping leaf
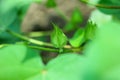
[
  {"x": 18, "y": 62},
  {"x": 103, "y": 53},
  {"x": 64, "y": 67}
]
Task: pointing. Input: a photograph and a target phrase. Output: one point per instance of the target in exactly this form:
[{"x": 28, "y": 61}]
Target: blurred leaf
[
  {"x": 8, "y": 38},
  {"x": 58, "y": 38},
  {"x": 109, "y": 3},
  {"x": 9, "y": 18},
  {"x": 97, "y": 18},
  {"x": 112, "y": 74},
  {"x": 78, "y": 38},
  {"x": 65, "y": 67},
  {"x": 103, "y": 54},
  {"x": 69, "y": 26},
  {"x": 9, "y": 10},
  {"x": 76, "y": 16},
  {"x": 51, "y": 3},
  {"x": 116, "y": 1},
  {"x": 90, "y": 30},
  {"x": 93, "y": 1},
  {"x": 17, "y": 62}
]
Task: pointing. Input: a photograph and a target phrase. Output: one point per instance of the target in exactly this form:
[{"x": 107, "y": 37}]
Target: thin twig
[{"x": 41, "y": 43}]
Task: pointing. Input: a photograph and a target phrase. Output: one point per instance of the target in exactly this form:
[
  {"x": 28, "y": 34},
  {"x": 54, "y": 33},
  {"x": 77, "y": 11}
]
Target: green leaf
[
  {"x": 116, "y": 1},
  {"x": 21, "y": 63},
  {"x": 90, "y": 30},
  {"x": 17, "y": 62},
  {"x": 65, "y": 67},
  {"x": 109, "y": 3},
  {"x": 69, "y": 26},
  {"x": 51, "y": 3},
  {"x": 76, "y": 16},
  {"x": 9, "y": 11},
  {"x": 58, "y": 38},
  {"x": 9, "y": 18},
  {"x": 78, "y": 38},
  {"x": 112, "y": 74},
  {"x": 8, "y": 38},
  {"x": 103, "y": 54}
]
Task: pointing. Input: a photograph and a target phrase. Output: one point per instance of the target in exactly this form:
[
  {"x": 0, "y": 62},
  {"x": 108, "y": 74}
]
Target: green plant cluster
[{"x": 92, "y": 53}]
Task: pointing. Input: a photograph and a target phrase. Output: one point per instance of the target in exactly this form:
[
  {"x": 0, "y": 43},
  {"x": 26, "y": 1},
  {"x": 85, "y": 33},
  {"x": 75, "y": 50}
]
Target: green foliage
[
  {"x": 109, "y": 3},
  {"x": 61, "y": 68},
  {"x": 51, "y": 3},
  {"x": 20, "y": 63},
  {"x": 82, "y": 35},
  {"x": 17, "y": 62},
  {"x": 116, "y": 1},
  {"x": 103, "y": 53},
  {"x": 58, "y": 38},
  {"x": 90, "y": 30},
  {"x": 97, "y": 18},
  {"x": 78, "y": 38},
  {"x": 69, "y": 26},
  {"x": 65, "y": 67},
  {"x": 9, "y": 18},
  {"x": 11, "y": 7},
  {"x": 76, "y": 17},
  {"x": 100, "y": 59},
  {"x": 113, "y": 74}
]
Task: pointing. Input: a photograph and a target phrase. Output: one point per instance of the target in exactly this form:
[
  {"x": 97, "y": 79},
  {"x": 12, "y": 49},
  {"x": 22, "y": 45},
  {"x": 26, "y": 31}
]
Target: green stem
[
  {"x": 29, "y": 39},
  {"x": 101, "y": 5},
  {"x": 67, "y": 48},
  {"x": 44, "y": 48}
]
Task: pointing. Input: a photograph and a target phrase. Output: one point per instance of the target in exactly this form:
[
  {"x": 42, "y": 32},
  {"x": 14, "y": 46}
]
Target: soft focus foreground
[{"x": 59, "y": 40}]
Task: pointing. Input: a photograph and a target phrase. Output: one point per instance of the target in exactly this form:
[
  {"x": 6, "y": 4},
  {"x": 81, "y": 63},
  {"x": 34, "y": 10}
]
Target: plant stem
[
  {"x": 44, "y": 48},
  {"x": 41, "y": 43},
  {"x": 29, "y": 39},
  {"x": 67, "y": 48},
  {"x": 101, "y": 5}
]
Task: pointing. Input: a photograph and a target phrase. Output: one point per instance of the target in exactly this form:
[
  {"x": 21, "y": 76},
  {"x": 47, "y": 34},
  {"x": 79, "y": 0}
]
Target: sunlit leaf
[
  {"x": 90, "y": 30},
  {"x": 112, "y": 74},
  {"x": 58, "y": 38},
  {"x": 65, "y": 67},
  {"x": 17, "y": 62},
  {"x": 103, "y": 54},
  {"x": 78, "y": 38}
]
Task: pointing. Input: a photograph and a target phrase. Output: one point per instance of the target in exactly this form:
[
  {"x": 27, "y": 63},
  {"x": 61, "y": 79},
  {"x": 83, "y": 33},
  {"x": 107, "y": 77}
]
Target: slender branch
[
  {"x": 41, "y": 43},
  {"x": 100, "y": 5},
  {"x": 55, "y": 50},
  {"x": 44, "y": 48},
  {"x": 45, "y": 33},
  {"x": 29, "y": 39},
  {"x": 67, "y": 48}
]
